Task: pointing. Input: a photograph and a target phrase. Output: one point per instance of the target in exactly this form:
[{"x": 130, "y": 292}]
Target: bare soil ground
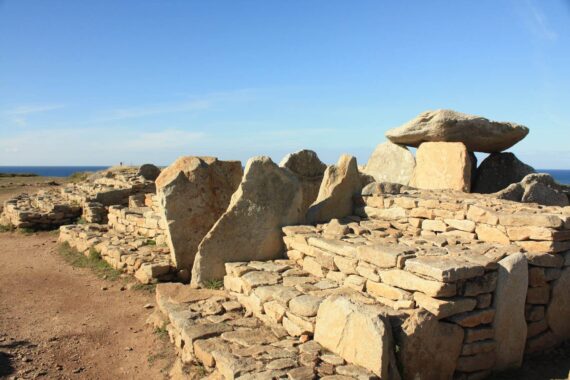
[
  {"x": 58, "y": 322},
  {"x": 10, "y": 186}
]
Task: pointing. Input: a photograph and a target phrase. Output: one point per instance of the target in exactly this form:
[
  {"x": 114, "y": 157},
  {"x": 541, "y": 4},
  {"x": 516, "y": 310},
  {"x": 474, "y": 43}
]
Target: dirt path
[{"x": 57, "y": 322}]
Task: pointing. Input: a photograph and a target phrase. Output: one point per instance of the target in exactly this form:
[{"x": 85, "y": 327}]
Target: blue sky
[{"x": 98, "y": 82}]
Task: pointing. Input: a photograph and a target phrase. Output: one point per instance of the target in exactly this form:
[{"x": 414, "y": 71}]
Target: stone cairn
[{"x": 424, "y": 267}]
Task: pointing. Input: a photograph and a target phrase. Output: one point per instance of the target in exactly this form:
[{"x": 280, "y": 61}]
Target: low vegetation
[
  {"x": 214, "y": 284},
  {"x": 92, "y": 261},
  {"x": 78, "y": 176},
  {"x": 11, "y": 175}
]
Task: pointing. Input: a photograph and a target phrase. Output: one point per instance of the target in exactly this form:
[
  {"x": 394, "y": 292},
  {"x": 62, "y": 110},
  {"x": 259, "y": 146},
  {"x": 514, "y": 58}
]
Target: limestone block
[
  {"x": 342, "y": 326},
  {"x": 267, "y": 199},
  {"x": 391, "y": 163},
  {"x": 442, "y": 166},
  {"x": 558, "y": 311}
]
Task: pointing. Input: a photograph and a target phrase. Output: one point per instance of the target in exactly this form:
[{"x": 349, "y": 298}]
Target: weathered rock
[
  {"x": 477, "y": 133},
  {"x": 267, "y": 199},
  {"x": 309, "y": 169},
  {"x": 441, "y": 165},
  {"x": 341, "y": 182},
  {"x": 391, "y": 163},
  {"x": 498, "y": 171},
  {"x": 558, "y": 312},
  {"x": 509, "y": 303},
  {"x": 429, "y": 349},
  {"x": 193, "y": 193},
  {"x": 513, "y": 192},
  {"x": 379, "y": 188},
  {"x": 342, "y": 326},
  {"x": 149, "y": 171},
  {"x": 542, "y": 194}
]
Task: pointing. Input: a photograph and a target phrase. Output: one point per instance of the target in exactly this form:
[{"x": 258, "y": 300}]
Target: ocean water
[
  {"x": 50, "y": 171},
  {"x": 561, "y": 176}
]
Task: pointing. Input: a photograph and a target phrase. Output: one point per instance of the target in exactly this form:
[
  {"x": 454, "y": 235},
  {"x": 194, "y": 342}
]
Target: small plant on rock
[{"x": 214, "y": 284}]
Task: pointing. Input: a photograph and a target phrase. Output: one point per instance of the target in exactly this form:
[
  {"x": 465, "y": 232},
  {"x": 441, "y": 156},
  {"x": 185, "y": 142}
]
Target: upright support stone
[
  {"x": 442, "y": 165},
  {"x": 309, "y": 169},
  {"x": 268, "y": 198},
  {"x": 340, "y": 184},
  {"x": 193, "y": 192},
  {"x": 509, "y": 302},
  {"x": 391, "y": 163},
  {"x": 558, "y": 312}
]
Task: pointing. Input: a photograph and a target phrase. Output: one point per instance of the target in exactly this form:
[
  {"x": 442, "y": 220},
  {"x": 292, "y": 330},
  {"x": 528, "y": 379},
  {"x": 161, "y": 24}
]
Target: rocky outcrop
[
  {"x": 429, "y": 349},
  {"x": 441, "y": 165},
  {"x": 309, "y": 169},
  {"x": 391, "y": 163},
  {"x": 498, "y": 171},
  {"x": 343, "y": 326},
  {"x": 477, "y": 133},
  {"x": 193, "y": 193},
  {"x": 538, "y": 188},
  {"x": 509, "y": 303},
  {"x": 268, "y": 198},
  {"x": 341, "y": 182}
]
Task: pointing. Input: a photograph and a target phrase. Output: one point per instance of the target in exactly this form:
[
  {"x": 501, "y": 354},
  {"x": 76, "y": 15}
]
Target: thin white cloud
[
  {"x": 538, "y": 23},
  {"x": 25, "y": 110}
]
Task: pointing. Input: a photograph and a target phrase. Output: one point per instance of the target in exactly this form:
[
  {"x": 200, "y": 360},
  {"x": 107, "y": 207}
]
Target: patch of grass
[
  {"x": 150, "y": 242},
  {"x": 81, "y": 221},
  {"x": 214, "y": 284},
  {"x": 78, "y": 176},
  {"x": 144, "y": 287},
  {"x": 201, "y": 370},
  {"x": 92, "y": 261},
  {"x": 6, "y": 228},
  {"x": 161, "y": 332},
  {"x": 27, "y": 231},
  {"x": 11, "y": 175}
]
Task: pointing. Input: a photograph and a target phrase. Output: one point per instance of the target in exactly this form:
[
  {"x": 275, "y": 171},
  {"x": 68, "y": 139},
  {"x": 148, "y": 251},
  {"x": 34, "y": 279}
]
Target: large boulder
[
  {"x": 358, "y": 333},
  {"x": 268, "y": 198},
  {"x": 442, "y": 165},
  {"x": 558, "y": 312},
  {"x": 193, "y": 193},
  {"x": 391, "y": 163},
  {"x": 341, "y": 182},
  {"x": 477, "y": 133},
  {"x": 509, "y": 304},
  {"x": 545, "y": 195},
  {"x": 429, "y": 349},
  {"x": 149, "y": 172},
  {"x": 309, "y": 169},
  {"x": 498, "y": 171}
]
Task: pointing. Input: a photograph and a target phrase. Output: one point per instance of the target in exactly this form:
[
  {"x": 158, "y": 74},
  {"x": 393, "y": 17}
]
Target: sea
[{"x": 561, "y": 176}]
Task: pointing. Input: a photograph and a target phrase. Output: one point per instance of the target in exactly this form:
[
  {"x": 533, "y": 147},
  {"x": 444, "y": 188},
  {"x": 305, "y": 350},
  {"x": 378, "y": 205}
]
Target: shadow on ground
[
  {"x": 6, "y": 358},
  {"x": 554, "y": 364}
]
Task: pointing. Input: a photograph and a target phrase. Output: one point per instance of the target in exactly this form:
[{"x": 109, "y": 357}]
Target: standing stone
[
  {"x": 429, "y": 349},
  {"x": 340, "y": 184},
  {"x": 149, "y": 172},
  {"x": 441, "y": 165},
  {"x": 357, "y": 333},
  {"x": 498, "y": 171},
  {"x": 476, "y": 132},
  {"x": 391, "y": 163},
  {"x": 558, "y": 312},
  {"x": 309, "y": 169},
  {"x": 193, "y": 193},
  {"x": 268, "y": 198},
  {"x": 509, "y": 303}
]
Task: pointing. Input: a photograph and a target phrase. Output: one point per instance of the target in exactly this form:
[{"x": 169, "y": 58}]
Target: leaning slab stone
[
  {"x": 391, "y": 163},
  {"x": 193, "y": 193},
  {"x": 476, "y": 132},
  {"x": 558, "y": 312},
  {"x": 429, "y": 349},
  {"x": 441, "y": 165},
  {"x": 498, "y": 171},
  {"x": 509, "y": 303},
  {"x": 341, "y": 182},
  {"x": 267, "y": 199},
  {"x": 309, "y": 169},
  {"x": 342, "y": 326}
]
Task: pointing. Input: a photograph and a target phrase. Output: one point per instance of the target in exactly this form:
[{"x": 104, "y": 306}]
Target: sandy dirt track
[{"x": 57, "y": 322}]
